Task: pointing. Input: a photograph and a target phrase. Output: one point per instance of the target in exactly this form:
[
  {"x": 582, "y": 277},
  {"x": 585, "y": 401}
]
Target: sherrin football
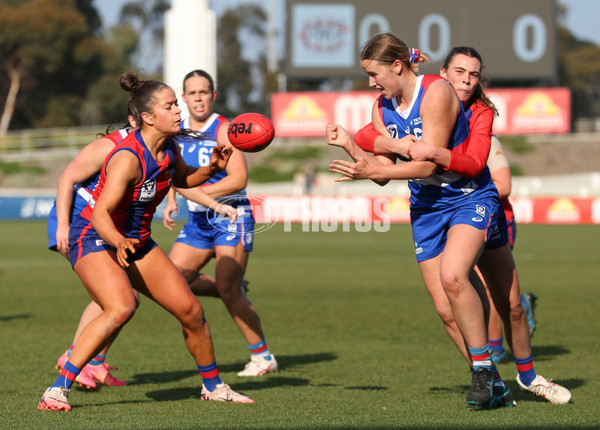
[{"x": 251, "y": 132}]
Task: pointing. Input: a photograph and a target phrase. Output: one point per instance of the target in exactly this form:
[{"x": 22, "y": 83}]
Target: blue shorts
[
  {"x": 83, "y": 240},
  {"x": 498, "y": 231},
  {"x": 430, "y": 226},
  {"x": 204, "y": 230},
  {"x": 51, "y": 227}
]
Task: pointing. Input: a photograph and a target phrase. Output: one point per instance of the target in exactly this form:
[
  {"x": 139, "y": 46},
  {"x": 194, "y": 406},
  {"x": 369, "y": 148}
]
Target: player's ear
[
  {"x": 443, "y": 73},
  {"x": 147, "y": 118}
]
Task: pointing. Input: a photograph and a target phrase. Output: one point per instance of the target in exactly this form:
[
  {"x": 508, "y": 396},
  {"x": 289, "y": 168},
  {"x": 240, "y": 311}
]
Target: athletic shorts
[
  {"x": 83, "y": 240},
  {"x": 512, "y": 231},
  {"x": 204, "y": 231},
  {"x": 51, "y": 227},
  {"x": 498, "y": 234},
  {"x": 430, "y": 226}
]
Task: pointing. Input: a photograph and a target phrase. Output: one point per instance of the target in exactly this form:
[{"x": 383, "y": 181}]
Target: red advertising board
[
  {"x": 363, "y": 212},
  {"x": 522, "y": 111},
  {"x": 532, "y": 110}
]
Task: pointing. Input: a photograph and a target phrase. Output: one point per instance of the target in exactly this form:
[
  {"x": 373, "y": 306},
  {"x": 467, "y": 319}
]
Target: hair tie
[{"x": 414, "y": 55}]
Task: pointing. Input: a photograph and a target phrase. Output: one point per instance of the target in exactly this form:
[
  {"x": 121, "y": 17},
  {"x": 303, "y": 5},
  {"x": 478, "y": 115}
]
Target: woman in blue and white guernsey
[
  {"x": 207, "y": 234},
  {"x": 450, "y": 213}
]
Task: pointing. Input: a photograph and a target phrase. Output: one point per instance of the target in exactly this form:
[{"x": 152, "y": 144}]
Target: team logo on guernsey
[
  {"x": 393, "y": 130},
  {"x": 148, "y": 191}
]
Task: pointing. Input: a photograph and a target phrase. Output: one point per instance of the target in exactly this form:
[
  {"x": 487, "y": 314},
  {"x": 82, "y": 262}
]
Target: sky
[{"x": 582, "y": 18}]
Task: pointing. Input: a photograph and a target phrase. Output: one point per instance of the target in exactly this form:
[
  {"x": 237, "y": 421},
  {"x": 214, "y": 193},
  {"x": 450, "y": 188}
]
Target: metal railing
[{"x": 20, "y": 145}]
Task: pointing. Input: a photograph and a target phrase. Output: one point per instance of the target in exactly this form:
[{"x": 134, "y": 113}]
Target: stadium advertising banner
[
  {"x": 516, "y": 38},
  {"x": 532, "y": 111},
  {"x": 329, "y": 213},
  {"x": 521, "y": 111}
]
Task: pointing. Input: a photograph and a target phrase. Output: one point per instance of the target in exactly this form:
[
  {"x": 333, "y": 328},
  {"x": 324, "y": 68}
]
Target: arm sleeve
[
  {"x": 472, "y": 161},
  {"x": 365, "y": 137}
]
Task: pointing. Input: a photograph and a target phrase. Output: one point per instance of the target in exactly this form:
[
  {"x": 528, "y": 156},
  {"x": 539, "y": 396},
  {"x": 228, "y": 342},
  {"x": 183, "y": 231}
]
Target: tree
[
  {"x": 49, "y": 44},
  {"x": 241, "y": 81},
  {"x": 147, "y": 17}
]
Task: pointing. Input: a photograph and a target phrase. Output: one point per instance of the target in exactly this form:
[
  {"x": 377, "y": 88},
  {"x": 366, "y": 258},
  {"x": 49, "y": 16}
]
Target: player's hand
[
  {"x": 125, "y": 247},
  {"x": 169, "y": 222},
  {"x": 220, "y": 157},
  {"x": 226, "y": 211},
  {"x": 360, "y": 169},
  {"x": 62, "y": 240},
  {"x": 421, "y": 151},
  {"x": 336, "y": 135}
]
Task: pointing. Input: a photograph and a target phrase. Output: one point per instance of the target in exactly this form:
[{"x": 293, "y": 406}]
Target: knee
[
  {"x": 451, "y": 282},
  {"x": 192, "y": 314},
  {"x": 121, "y": 314}
]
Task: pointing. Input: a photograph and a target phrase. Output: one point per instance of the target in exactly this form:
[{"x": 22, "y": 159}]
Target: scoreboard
[{"x": 516, "y": 38}]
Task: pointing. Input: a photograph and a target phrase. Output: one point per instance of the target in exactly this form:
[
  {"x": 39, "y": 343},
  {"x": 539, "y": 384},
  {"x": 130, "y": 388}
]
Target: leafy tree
[
  {"x": 240, "y": 80},
  {"x": 147, "y": 18},
  {"x": 47, "y": 50},
  {"x": 579, "y": 66}
]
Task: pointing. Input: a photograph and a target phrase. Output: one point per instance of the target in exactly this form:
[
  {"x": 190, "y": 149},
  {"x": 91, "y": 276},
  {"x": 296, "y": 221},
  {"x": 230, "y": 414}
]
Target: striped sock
[
  {"x": 260, "y": 349},
  {"x": 67, "y": 376},
  {"x": 525, "y": 368},
  {"x": 481, "y": 357},
  {"x": 210, "y": 376},
  {"x": 496, "y": 345},
  {"x": 97, "y": 360},
  {"x": 498, "y": 382}
]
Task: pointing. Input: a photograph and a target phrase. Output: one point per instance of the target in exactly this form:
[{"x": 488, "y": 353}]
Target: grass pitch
[{"x": 355, "y": 333}]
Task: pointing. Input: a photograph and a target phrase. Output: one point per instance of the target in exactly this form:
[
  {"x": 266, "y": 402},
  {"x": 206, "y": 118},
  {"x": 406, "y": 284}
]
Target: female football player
[
  {"x": 206, "y": 230},
  {"x": 111, "y": 249}
]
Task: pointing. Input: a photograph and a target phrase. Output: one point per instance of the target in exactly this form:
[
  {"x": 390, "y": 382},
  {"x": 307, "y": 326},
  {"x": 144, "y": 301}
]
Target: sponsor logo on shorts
[
  {"x": 99, "y": 242},
  {"x": 418, "y": 249},
  {"x": 480, "y": 210},
  {"x": 477, "y": 219}
]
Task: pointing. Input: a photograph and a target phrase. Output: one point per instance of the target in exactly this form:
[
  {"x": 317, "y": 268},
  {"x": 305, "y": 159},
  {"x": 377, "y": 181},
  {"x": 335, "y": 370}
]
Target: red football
[{"x": 251, "y": 132}]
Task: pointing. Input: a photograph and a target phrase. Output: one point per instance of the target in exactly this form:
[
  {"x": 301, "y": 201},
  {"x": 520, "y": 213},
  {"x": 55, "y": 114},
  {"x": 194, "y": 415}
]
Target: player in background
[
  {"x": 206, "y": 230},
  {"x": 463, "y": 68},
  {"x": 75, "y": 187},
  {"x": 111, "y": 249},
  {"x": 449, "y": 225},
  {"x": 500, "y": 171}
]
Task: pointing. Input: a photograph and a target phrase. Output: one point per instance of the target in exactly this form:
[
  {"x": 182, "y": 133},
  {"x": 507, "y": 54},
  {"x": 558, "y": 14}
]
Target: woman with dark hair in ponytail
[{"x": 111, "y": 250}]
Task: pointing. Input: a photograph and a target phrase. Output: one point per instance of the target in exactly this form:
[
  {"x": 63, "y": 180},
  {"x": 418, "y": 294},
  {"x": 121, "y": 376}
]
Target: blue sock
[
  {"x": 97, "y": 360},
  {"x": 210, "y": 376},
  {"x": 67, "y": 376},
  {"x": 496, "y": 345},
  {"x": 260, "y": 349},
  {"x": 525, "y": 368},
  {"x": 481, "y": 357}
]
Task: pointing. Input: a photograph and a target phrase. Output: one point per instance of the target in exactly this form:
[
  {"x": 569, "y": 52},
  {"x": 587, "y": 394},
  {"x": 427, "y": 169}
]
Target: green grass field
[{"x": 355, "y": 333}]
